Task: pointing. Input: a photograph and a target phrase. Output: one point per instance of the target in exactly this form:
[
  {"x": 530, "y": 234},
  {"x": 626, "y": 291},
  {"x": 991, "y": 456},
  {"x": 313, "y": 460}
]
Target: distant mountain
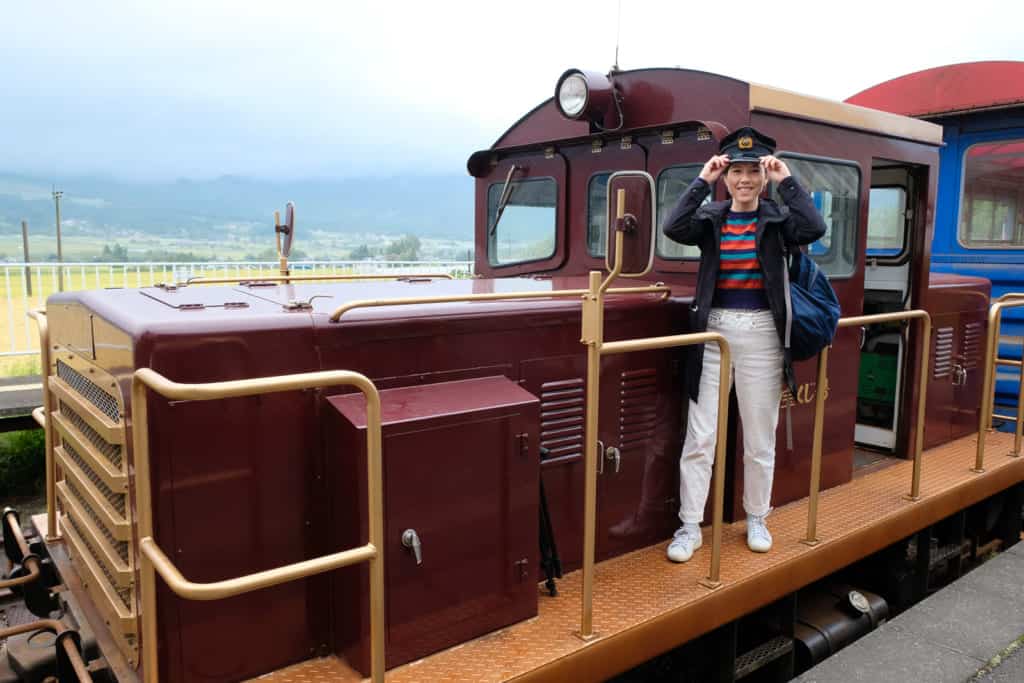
[{"x": 429, "y": 206}]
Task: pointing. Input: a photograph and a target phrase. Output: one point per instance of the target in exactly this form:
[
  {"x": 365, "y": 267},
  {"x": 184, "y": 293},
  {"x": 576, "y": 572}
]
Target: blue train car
[{"x": 979, "y": 213}]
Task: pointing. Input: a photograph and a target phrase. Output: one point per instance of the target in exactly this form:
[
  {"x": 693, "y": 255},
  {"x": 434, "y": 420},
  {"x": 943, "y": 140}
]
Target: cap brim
[{"x": 745, "y": 158}]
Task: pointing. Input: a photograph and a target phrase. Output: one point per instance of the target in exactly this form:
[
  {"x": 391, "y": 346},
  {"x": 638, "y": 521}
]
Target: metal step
[{"x": 762, "y": 655}]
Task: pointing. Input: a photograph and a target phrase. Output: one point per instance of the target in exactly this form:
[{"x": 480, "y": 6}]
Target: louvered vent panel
[
  {"x": 973, "y": 345},
  {"x": 89, "y": 390},
  {"x": 96, "y": 518},
  {"x": 111, "y": 451},
  {"x": 562, "y": 418},
  {"x": 943, "y": 352},
  {"x": 638, "y": 397}
]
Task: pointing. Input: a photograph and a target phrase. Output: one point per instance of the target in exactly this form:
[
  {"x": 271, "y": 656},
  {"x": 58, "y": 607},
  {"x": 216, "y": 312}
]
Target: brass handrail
[
  {"x": 664, "y": 290},
  {"x": 995, "y": 321},
  {"x": 39, "y": 315},
  {"x": 310, "y": 278},
  {"x": 713, "y": 579},
  {"x": 57, "y": 627},
  {"x": 153, "y": 560},
  {"x": 924, "y": 344}
]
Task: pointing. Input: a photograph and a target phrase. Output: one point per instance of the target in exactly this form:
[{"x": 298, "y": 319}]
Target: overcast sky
[{"x": 148, "y": 89}]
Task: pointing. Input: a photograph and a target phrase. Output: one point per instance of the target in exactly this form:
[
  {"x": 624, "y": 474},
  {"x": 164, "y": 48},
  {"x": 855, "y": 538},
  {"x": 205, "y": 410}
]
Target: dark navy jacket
[{"x": 778, "y": 228}]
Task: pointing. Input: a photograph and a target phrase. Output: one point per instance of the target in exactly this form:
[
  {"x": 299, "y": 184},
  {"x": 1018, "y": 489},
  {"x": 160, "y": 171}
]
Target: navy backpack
[{"x": 814, "y": 307}]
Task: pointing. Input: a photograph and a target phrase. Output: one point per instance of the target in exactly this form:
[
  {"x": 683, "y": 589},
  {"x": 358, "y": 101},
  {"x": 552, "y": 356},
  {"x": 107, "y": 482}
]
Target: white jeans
[{"x": 757, "y": 367}]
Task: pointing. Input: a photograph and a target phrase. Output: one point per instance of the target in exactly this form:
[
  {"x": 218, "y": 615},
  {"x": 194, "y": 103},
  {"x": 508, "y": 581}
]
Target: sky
[{"x": 163, "y": 89}]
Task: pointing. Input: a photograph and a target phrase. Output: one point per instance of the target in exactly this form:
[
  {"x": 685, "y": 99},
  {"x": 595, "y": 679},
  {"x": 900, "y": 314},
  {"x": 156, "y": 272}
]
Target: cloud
[{"x": 189, "y": 88}]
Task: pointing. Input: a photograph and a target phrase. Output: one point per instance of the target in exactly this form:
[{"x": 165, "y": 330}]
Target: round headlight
[{"x": 572, "y": 95}]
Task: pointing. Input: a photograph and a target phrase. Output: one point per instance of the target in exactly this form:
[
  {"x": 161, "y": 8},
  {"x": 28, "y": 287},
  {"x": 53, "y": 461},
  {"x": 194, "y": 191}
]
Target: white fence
[{"x": 26, "y": 285}]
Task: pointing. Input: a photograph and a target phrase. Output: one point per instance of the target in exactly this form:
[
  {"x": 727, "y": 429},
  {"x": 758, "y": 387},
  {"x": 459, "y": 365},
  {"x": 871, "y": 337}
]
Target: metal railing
[
  {"x": 39, "y": 315},
  {"x": 924, "y": 346},
  {"x": 25, "y": 286},
  {"x": 154, "y": 561},
  {"x": 988, "y": 390}
]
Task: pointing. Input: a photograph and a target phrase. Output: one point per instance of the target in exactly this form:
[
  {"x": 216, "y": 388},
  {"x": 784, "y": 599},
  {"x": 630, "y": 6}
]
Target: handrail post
[
  {"x": 1018, "y": 430},
  {"x": 593, "y": 328},
  {"x": 52, "y": 533},
  {"x": 819, "y": 424},
  {"x": 987, "y": 389},
  {"x": 922, "y": 393},
  {"x": 592, "y": 334},
  {"x": 713, "y": 579}
]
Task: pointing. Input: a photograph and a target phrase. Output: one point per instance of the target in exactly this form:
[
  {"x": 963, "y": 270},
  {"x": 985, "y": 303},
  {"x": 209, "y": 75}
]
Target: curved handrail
[
  {"x": 39, "y": 315},
  {"x": 924, "y": 344},
  {"x": 995, "y": 317},
  {"x": 199, "y": 280},
  {"x": 153, "y": 559},
  {"x": 724, "y": 383},
  {"x": 664, "y": 290}
]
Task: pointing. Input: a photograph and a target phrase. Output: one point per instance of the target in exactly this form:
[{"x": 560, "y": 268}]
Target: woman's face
[{"x": 745, "y": 181}]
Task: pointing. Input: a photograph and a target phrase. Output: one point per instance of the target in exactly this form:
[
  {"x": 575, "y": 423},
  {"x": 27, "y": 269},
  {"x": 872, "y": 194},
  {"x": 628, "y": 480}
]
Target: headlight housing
[{"x": 584, "y": 95}]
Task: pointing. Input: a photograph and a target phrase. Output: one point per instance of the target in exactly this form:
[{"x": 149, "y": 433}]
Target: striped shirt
[{"x": 740, "y": 281}]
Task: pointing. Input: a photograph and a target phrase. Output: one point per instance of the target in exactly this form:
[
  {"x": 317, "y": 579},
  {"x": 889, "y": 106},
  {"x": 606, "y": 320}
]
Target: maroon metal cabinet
[
  {"x": 460, "y": 467},
  {"x": 958, "y": 306}
]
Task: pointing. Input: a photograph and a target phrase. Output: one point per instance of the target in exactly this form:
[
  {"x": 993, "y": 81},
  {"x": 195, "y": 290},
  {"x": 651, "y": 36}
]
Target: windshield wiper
[{"x": 506, "y": 194}]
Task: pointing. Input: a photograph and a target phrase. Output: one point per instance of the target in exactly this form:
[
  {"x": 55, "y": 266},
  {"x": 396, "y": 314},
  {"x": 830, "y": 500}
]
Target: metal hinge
[
  {"x": 668, "y": 137},
  {"x": 524, "y": 443}
]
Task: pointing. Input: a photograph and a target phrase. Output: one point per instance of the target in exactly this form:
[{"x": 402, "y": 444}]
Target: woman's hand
[
  {"x": 774, "y": 168},
  {"x": 714, "y": 168}
]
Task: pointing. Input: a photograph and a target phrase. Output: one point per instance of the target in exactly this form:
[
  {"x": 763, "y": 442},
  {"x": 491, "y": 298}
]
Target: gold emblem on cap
[{"x": 745, "y": 142}]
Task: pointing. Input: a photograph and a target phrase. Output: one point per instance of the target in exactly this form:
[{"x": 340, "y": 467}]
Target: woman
[{"x": 741, "y": 294}]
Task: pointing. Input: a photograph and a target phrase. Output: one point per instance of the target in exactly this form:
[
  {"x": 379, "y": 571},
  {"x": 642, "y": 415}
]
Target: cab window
[
  {"x": 672, "y": 182},
  {"x": 527, "y": 227},
  {"x": 887, "y": 221},
  {"x": 834, "y": 187},
  {"x": 992, "y": 197},
  {"x": 597, "y": 213}
]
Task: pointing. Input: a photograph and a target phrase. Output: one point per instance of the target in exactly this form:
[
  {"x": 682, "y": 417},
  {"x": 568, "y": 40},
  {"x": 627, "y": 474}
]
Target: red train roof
[{"x": 948, "y": 89}]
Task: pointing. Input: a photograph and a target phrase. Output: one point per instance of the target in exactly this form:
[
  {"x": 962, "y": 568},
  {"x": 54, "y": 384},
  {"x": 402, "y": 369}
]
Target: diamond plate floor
[{"x": 634, "y": 594}]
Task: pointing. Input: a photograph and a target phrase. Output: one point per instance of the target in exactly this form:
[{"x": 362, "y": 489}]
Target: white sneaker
[
  {"x": 684, "y": 542},
  {"x": 758, "y": 538}
]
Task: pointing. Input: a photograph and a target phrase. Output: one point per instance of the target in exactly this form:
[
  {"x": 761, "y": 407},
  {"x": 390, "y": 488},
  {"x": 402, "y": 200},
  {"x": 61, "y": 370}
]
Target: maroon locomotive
[{"x": 482, "y": 400}]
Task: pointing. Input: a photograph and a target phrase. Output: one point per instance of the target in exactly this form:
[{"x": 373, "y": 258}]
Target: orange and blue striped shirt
[{"x": 740, "y": 281}]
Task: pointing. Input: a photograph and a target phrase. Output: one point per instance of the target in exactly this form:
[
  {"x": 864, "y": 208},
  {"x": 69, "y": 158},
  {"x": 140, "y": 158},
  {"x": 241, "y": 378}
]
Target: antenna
[{"x": 618, "y": 29}]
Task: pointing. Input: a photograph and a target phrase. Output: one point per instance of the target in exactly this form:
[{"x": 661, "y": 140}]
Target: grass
[
  {"x": 18, "y": 332},
  {"x": 22, "y": 464}
]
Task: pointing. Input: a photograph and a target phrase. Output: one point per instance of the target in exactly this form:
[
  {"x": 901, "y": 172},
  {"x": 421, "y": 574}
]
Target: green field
[{"x": 18, "y": 331}]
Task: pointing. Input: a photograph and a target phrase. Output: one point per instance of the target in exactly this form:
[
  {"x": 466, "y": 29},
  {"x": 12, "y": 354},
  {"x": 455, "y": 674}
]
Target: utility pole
[
  {"x": 28, "y": 268},
  {"x": 60, "y": 254}
]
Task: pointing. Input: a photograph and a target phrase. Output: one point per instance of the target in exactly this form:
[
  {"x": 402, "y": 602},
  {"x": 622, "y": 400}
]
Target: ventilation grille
[
  {"x": 116, "y": 500},
  {"x": 943, "y": 352},
  {"x": 123, "y": 593},
  {"x": 973, "y": 345},
  {"x": 89, "y": 390},
  {"x": 562, "y": 418},
  {"x": 120, "y": 547},
  {"x": 638, "y": 399},
  {"x": 110, "y": 451},
  {"x": 95, "y": 510}
]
